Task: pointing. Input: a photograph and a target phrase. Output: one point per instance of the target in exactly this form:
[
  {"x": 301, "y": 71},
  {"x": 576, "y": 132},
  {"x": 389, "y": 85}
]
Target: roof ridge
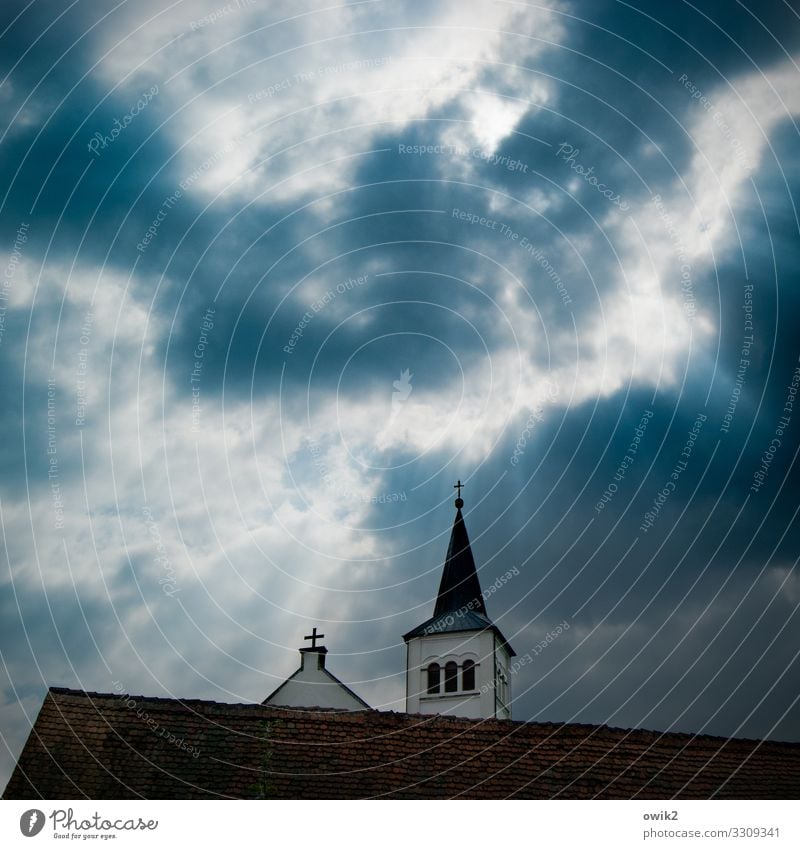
[
  {"x": 94, "y": 694},
  {"x": 380, "y": 715}
]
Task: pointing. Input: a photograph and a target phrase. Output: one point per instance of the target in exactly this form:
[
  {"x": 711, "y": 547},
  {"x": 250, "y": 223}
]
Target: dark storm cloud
[
  {"x": 660, "y": 589},
  {"x": 381, "y": 273},
  {"x": 707, "y": 37}
]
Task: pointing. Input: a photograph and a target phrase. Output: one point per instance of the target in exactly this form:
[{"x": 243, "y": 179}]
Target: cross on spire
[
  {"x": 459, "y": 500},
  {"x": 314, "y": 636}
]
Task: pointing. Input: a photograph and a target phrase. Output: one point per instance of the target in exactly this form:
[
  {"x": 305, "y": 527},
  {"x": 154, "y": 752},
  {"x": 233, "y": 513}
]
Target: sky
[{"x": 277, "y": 275}]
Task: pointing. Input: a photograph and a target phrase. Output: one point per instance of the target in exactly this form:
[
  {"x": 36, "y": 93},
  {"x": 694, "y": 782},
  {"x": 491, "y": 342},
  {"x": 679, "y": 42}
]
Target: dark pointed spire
[
  {"x": 459, "y": 605},
  {"x": 459, "y": 589}
]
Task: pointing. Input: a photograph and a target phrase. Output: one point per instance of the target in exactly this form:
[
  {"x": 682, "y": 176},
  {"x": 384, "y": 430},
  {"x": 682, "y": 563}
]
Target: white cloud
[
  {"x": 731, "y": 140},
  {"x": 335, "y": 80}
]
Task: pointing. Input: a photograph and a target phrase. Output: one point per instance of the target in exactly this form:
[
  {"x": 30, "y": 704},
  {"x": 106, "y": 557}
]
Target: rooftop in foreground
[{"x": 93, "y": 745}]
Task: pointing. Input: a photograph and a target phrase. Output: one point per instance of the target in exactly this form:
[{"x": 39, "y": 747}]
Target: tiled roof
[
  {"x": 465, "y": 621},
  {"x": 104, "y": 746}
]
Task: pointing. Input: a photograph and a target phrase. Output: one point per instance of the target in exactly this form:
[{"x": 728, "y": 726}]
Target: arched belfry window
[
  {"x": 450, "y": 677},
  {"x": 468, "y": 675},
  {"x": 433, "y": 679}
]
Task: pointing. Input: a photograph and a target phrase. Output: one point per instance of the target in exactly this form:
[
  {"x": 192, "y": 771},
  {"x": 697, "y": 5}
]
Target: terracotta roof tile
[{"x": 97, "y": 746}]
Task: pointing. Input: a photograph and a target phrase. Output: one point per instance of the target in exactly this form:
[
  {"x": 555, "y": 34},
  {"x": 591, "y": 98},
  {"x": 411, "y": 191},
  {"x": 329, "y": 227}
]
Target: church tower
[{"x": 457, "y": 661}]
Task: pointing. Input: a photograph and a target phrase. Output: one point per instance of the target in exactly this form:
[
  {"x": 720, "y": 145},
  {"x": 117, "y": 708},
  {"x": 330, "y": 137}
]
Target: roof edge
[
  {"x": 410, "y": 635},
  {"x": 688, "y": 735}
]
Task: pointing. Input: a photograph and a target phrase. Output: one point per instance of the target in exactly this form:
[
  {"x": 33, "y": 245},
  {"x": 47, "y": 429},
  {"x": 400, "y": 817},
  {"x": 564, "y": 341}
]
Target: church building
[
  {"x": 457, "y": 661},
  {"x": 313, "y": 685}
]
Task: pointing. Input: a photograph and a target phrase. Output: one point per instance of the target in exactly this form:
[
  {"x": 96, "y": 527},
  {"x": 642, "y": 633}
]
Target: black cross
[
  {"x": 314, "y": 636},
  {"x": 459, "y": 487}
]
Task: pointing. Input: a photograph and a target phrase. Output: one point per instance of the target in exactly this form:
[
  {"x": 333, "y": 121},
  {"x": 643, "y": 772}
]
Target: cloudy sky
[{"x": 276, "y": 275}]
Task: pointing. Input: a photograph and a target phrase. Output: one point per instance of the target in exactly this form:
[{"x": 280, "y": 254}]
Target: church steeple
[
  {"x": 458, "y": 659},
  {"x": 459, "y": 587}
]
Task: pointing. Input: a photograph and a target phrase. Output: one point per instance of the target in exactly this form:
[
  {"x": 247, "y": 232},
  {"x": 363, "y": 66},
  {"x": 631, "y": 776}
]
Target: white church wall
[
  {"x": 480, "y": 647},
  {"x": 311, "y": 686}
]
